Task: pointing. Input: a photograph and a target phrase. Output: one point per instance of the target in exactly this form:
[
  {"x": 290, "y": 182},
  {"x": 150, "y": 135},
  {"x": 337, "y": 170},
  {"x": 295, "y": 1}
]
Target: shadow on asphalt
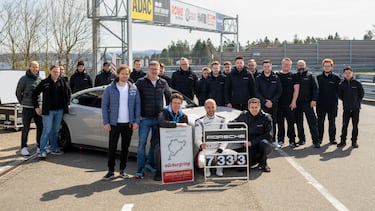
[{"x": 93, "y": 161}]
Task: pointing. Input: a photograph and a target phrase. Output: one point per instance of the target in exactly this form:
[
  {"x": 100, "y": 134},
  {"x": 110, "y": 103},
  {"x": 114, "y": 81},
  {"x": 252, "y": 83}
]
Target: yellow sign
[{"x": 143, "y": 10}]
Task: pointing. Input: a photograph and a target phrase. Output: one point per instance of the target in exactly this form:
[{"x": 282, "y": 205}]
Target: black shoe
[
  {"x": 341, "y": 144},
  {"x": 333, "y": 142},
  {"x": 123, "y": 174},
  {"x": 293, "y": 145},
  {"x": 301, "y": 143},
  {"x": 265, "y": 168},
  {"x": 157, "y": 176},
  {"x": 355, "y": 145},
  {"x": 110, "y": 175},
  {"x": 317, "y": 145}
]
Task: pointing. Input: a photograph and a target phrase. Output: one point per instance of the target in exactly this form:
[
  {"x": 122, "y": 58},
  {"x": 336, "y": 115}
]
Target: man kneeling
[{"x": 260, "y": 133}]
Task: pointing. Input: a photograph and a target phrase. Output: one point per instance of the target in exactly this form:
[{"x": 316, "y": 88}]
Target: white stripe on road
[
  {"x": 127, "y": 207},
  {"x": 333, "y": 200}
]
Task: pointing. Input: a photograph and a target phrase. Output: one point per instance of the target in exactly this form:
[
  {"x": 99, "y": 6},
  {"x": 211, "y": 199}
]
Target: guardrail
[{"x": 369, "y": 90}]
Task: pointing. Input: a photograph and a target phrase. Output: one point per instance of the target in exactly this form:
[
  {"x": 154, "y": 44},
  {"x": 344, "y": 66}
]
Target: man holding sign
[{"x": 170, "y": 117}]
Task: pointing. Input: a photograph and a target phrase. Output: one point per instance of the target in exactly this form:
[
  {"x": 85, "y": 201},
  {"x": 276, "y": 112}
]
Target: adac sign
[{"x": 143, "y": 10}]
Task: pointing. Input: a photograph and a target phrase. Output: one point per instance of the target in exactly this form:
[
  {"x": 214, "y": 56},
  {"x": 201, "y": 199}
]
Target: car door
[{"x": 85, "y": 119}]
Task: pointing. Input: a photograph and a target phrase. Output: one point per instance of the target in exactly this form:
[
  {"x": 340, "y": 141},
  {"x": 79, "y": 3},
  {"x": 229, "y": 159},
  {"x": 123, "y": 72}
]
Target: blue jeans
[
  {"x": 144, "y": 128},
  {"x": 51, "y": 126}
]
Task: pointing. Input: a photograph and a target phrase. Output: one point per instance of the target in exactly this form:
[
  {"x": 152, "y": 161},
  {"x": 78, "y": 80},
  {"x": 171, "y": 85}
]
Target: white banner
[{"x": 176, "y": 148}]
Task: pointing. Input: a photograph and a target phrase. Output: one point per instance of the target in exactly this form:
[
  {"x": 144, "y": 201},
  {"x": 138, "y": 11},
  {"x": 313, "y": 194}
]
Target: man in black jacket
[
  {"x": 259, "y": 125},
  {"x": 80, "y": 80},
  {"x": 56, "y": 98},
  {"x": 169, "y": 117},
  {"x": 184, "y": 79},
  {"x": 24, "y": 91},
  {"x": 328, "y": 83},
  {"x": 216, "y": 83},
  {"x": 351, "y": 93},
  {"x": 137, "y": 72},
  {"x": 151, "y": 90},
  {"x": 163, "y": 75},
  {"x": 308, "y": 95},
  {"x": 239, "y": 86},
  {"x": 201, "y": 89},
  {"x": 268, "y": 89},
  {"x": 106, "y": 76}
]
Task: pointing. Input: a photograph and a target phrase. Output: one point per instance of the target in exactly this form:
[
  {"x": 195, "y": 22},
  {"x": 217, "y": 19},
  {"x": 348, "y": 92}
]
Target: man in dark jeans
[
  {"x": 121, "y": 109},
  {"x": 351, "y": 93},
  {"x": 24, "y": 91}
]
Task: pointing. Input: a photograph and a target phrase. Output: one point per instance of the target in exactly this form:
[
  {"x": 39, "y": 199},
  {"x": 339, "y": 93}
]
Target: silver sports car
[{"x": 83, "y": 125}]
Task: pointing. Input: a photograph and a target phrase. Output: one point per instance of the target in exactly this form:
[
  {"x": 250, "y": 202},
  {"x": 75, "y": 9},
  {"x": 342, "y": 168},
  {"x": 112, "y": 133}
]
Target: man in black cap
[
  {"x": 80, "y": 80},
  {"x": 106, "y": 76}
]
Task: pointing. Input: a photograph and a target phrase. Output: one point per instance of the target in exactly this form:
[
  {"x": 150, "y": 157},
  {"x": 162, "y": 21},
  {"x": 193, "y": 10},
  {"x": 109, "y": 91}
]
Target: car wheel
[{"x": 64, "y": 137}]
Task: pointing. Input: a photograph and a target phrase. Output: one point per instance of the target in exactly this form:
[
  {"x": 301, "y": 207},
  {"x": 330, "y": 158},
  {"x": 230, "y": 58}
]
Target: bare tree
[{"x": 71, "y": 31}]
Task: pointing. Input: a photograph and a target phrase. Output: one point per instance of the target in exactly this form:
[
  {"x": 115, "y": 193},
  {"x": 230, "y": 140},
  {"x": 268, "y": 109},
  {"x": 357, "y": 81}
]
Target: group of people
[{"x": 134, "y": 100}]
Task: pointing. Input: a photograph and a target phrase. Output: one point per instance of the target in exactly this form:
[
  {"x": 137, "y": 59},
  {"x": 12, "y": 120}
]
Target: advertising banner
[
  {"x": 188, "y": 15},
  {"x": 176, "y": 148},
  {"x": 143, "y": 10},
  {"x": 161, "y": 11}
]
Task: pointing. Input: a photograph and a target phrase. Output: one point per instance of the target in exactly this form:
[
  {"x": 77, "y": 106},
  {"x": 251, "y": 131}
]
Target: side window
[{"x": 91, "y": 99}]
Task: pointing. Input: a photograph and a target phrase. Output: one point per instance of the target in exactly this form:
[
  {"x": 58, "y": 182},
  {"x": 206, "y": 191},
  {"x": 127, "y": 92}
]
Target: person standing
[
  {"x": 351, "y": 93},
  {"x": 63, "y": 74},
  {"x": 80, "y": 80},
  {"x": 287, "y": 103},
  {"x": 151, "y": 89},
  {"x": 227, "y": 67},
  {"x": 201, "y": 89},
  {"x": 307, "y": 97},
  {"x": 137, "y": 72},
  {"x": 259, "y": 125},
  {"x": 56, "y": 98},
  {"x": 268, "y": 90},
  {"x": 121, "y": 108},
  {"x": 106, "y": 76},
  {"x": 239, "y": 86},
  {"x": 252, "y": 67},
  {"x": 327, "y": 102},
  {"x": 170, "y": 117},
  {"x": 163, "y": 75},
  {"x": 24, "y": 91},
  {"x": 216, "y": 84},
  {"x": 209, "y": 121},
  {"x": 184, "y": 79}
]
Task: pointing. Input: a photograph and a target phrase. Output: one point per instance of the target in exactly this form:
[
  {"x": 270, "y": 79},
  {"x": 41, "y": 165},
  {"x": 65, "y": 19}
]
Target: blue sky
[{"x": 281, "y": 19}]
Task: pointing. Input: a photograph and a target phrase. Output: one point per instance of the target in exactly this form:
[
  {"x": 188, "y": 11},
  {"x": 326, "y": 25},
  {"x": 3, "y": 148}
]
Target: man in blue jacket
[{"x": 121, "y": 108}]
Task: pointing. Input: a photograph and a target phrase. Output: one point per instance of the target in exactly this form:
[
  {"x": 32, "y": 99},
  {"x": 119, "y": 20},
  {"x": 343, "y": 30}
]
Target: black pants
[
  {"x": 304, "y": 107},
  {"x": 331, "y": 113},
  {"x": 273, "y": 112},
  {"x": 27, "y": 115},
  {"x": 284, "y": 112},
  {"x": 125, "y": 130},
  {"x": 347, "y": 114},
  {"x": 258, "y": 152}
]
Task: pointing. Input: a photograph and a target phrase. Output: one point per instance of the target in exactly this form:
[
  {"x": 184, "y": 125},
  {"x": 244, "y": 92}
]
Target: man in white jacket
[{"x": 209, "y": 121}]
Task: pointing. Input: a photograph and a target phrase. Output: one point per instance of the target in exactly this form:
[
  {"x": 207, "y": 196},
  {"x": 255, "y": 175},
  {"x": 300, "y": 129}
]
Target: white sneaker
[
  {"x": 37, "y": 150},
  {"x": 48, "y": 150},
  {"x": 208, "y": 172},
  {"x": 219, "y": 172},
  {"x": 25, "y": 151},
  {"x": 276, "y": 145}
]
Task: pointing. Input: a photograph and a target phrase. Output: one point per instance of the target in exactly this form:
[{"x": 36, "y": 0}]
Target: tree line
[{"x": 43, "y": 30}]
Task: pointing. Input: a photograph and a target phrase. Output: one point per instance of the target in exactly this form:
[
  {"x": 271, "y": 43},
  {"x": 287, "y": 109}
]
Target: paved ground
[{"x": 305, "y": 178}]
